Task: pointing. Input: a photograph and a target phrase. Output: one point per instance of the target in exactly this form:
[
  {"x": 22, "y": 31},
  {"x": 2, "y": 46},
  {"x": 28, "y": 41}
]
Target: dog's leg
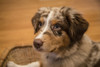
[{"x": 33, "y": 64}]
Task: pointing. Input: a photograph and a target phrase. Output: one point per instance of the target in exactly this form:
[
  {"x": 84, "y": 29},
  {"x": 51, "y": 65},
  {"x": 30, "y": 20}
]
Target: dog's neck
[{"x": 77, "y": 55}]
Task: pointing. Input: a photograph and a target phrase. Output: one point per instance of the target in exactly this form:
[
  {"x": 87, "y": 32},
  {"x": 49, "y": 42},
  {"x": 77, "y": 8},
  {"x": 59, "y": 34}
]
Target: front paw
[{"x": 33, "y": 64}]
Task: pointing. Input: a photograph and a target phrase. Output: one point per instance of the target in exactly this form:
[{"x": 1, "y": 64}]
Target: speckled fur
[{"x": 82, "y": 53}]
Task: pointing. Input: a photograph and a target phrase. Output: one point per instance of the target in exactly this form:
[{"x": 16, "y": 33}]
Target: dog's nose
[{"x": 38, "y": 43}]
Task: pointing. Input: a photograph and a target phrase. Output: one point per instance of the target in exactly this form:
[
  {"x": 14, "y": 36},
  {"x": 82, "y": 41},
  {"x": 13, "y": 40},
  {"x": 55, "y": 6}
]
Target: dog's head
[{"x": 56, "y": 29}]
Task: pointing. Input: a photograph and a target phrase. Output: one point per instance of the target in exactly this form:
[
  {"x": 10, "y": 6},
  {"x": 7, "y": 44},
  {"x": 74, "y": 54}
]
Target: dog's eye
[
  {"x": 57, "y": 27},
  {"x": 40, "y": 24}
]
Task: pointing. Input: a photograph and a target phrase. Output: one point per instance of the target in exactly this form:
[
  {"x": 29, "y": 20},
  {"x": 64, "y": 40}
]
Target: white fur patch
[
  {"x": 46, "y": 26},
  {"x": 33, "y": 64}
]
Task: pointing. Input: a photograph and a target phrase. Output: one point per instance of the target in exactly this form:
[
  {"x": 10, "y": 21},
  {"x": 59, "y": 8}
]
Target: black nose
[{"x": 37, "y": 43}]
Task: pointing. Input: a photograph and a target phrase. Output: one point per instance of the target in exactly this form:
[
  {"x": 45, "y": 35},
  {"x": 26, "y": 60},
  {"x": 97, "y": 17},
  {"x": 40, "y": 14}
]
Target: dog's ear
[
  {"x": 35, "y": 21},
  {"x": 77, "y": 24}
]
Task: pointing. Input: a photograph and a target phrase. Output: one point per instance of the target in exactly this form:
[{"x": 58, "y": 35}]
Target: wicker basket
[{"x": 21, "y": 55}]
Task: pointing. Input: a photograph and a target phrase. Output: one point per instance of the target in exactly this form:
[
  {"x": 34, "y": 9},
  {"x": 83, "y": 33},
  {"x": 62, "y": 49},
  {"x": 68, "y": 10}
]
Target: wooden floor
[{"x": 15, "y": 19}]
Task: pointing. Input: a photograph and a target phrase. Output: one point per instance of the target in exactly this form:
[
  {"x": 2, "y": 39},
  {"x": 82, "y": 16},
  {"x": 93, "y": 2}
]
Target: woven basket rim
[{"x": 13, "y": 48}]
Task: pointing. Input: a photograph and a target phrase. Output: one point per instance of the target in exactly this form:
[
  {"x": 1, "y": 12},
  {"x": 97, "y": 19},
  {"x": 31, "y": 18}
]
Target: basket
[{"x": 21, "y": 55}]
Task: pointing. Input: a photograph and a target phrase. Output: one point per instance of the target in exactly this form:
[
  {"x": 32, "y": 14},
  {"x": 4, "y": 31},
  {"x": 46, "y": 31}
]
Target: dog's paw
[
  {"x": 11, "y": 64},
  {"x": 34, "y": 64}
]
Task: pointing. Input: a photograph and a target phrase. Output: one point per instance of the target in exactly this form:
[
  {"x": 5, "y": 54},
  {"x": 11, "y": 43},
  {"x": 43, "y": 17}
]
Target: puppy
[{"x": 59, "y": 37}]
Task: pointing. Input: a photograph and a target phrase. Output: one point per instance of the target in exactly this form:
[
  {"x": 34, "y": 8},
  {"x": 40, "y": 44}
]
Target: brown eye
[{"x": 57, "y": 27}]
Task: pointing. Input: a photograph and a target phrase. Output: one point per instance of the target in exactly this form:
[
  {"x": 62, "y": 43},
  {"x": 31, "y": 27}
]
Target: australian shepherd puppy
[{"x": 60, "y": 38}]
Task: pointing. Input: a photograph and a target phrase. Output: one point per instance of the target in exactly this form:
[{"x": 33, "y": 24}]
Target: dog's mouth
[
  {"x": 39, "y": 49},
  {"x": 45, "y": 50},
  {"x": 53, "y": 50}
]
